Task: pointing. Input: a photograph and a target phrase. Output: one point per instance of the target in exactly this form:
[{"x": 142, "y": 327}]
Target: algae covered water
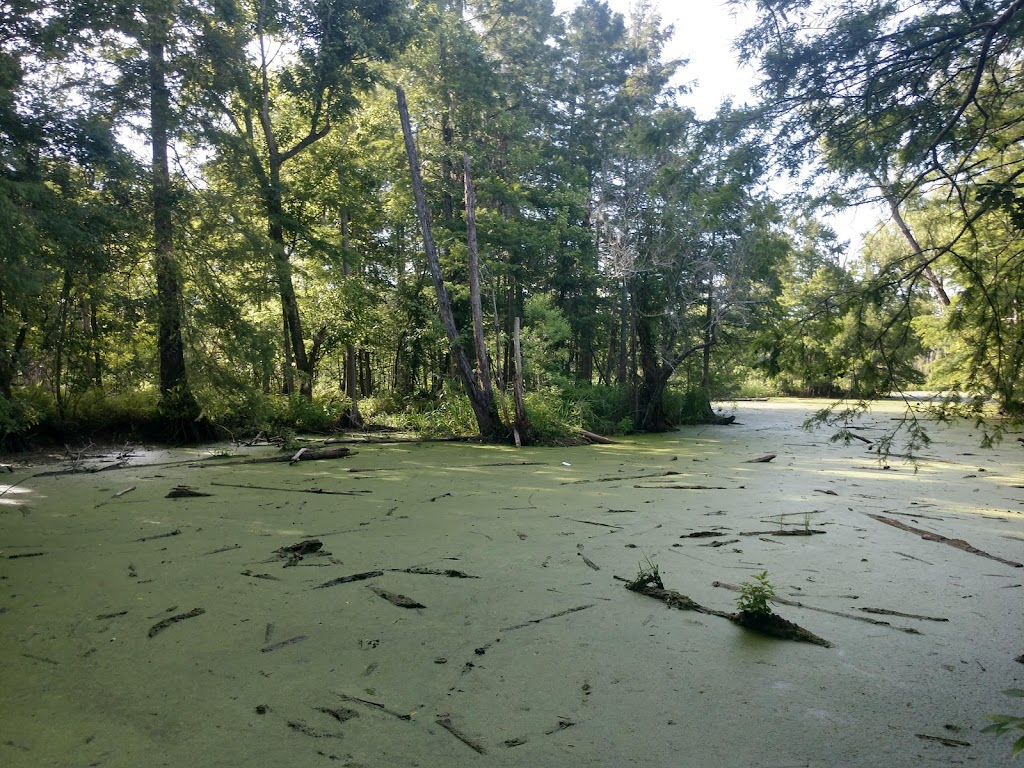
[{"x": 462, "y": 607}]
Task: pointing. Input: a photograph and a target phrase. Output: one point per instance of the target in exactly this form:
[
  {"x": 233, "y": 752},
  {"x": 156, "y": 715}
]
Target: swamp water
[{"x": 138, "y": 630}]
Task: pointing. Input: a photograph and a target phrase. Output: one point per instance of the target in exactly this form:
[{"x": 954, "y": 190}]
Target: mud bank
[{"x": 138, "y": 630}]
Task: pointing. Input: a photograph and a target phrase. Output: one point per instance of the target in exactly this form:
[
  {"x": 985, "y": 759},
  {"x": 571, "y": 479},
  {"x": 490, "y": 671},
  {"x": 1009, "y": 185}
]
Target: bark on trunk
[
  {"x": 523, "y": 431},
  {"x": 286, "y": 288},
  {"x": 354, "y": 417},
  {"x": 484, "y": 407},
  {"x": 177, "y": 404},
  {"x": 479, "y": 341}
]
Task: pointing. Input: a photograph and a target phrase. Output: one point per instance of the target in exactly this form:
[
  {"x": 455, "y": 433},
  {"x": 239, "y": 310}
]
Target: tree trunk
[
  {"x": 709, "y": 338},
  {"x": 355, "y": 419},
  {"x": 295, "y": 337},
  {"x": 523, "y": 431},
  {"x": 177, "y": 404},
  {"x": 479, "y": 340},
  {"x": 482, "y": 401},
  {"x": 649, "y": 415}
]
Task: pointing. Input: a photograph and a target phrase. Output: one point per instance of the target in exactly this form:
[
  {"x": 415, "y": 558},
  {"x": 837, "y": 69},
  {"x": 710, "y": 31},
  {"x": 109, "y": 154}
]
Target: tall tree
[
  {"x": 310, "y": 59},
  {"x": 921, "y": 101}
]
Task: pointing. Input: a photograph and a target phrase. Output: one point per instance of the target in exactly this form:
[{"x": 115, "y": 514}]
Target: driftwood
[
  {"x": 683, "y": 487},
  {"x": 185, "y": 492},
  {"x": 348, "y": 579},
  {"x": 451, "y": 574},
  {"x": 796, "y": 604},
  {"x": 595, "y": 438},
  {"x": 446, "y": 723},
  {"x": 401, "y": 601},
  {"x": 586, "y": 559},
  {"x": 545, "y": 618},
  {"x": 160, "y": 626},
  {"x": 306, "y": 454},
  {"x": 649, "y": 583},
  {"x": 666, "y": 473},
  {"x": 762, "y": 459},
  {"x": 374, "y": 704},
  {"x": 290, "y": 490},
  {"x": 887, "y": 612},
  {"x": 175, "y": 532},
  {"x": 282, "y": 643},
  {"x": 958, "y": 543}
]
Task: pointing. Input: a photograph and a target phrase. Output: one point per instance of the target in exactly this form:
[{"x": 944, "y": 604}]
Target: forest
[{"x": 220, "y": 217}]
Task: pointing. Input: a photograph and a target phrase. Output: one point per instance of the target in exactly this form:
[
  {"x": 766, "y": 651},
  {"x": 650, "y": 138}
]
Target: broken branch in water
[
  {"x": 290, "y": 490},
  {"x": 647, "y": 583},
  {"x": 667, "y": 473},
  {"x": 185, "y": 492},
  {"x": 374, "y": 704},
  {"x": 796, "y": 604},
  {"x": 401, "y": 601},
  {"x": 887, "y": 612},
  {"x": 175, "y": 532},
  {"x": 588, "y": 522},
  {"x": 282, "y": 643},
  {"x": 160, "y": 626},
  {"x": 545, "y": 618},
  {"x": 446, "y": 723},
  {"x": 958, "y": 543},
  {"x": 683, "y": 487},
  {"x": 347, "y": 579},
  {"x": 451, "y": 574}
]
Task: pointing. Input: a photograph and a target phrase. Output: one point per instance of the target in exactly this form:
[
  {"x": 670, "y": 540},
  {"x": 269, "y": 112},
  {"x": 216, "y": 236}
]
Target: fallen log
[
  {"x": 765, "y": 623},
  {"x": 957, "y": 543},
  {"x": 797, "y": 604},
  {"x": 595, "y": 438}
]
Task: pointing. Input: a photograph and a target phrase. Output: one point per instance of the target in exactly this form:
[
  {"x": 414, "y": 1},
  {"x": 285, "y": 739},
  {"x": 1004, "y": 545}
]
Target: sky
[
  {"x": 705, "y": 31},
  {"x": 704, "y": 34}
]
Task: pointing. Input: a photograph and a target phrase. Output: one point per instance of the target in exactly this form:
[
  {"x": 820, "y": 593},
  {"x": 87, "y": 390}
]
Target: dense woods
[{"x": 212, "y": 222}]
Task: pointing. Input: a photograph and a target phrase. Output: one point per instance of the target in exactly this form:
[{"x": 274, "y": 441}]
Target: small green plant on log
[
  {"x": 1004, "y": 724},
  {"x": 755, "y": 595}
]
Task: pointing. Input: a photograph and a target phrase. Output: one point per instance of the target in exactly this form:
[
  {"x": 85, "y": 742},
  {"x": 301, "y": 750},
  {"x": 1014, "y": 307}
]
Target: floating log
[
  {"x": 545, "y": 618},
  {"x": 347, "y": 579},
  {"x": 185, "y": 492},
  {"x": 595, "y": 438},
  {"x": 396, "y": 599},
  {"x": 446, "y": 723},
  {"x": 160, "y": 626},
  {"x": 957, "y": 543}
]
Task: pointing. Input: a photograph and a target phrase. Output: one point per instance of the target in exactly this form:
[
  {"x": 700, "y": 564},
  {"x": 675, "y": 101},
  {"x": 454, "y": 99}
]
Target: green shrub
[
  {"x": 755, "y": 595},
  {"x": 1004, "y": 724}
]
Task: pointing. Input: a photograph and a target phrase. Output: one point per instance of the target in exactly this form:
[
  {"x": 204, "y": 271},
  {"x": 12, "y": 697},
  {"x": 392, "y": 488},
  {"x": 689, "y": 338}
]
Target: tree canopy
[{"x": 208, "y": 220}]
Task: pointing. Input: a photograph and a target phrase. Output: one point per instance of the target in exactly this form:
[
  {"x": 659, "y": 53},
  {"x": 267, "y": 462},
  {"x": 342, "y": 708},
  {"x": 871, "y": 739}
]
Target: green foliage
[
  {"x": 1007, "y": 724},
  {"x": 687, "y": 406},
  {"x": 553, "y": 420},
  {"x": 606, "y": 410},
  {"x": 20, "y": 415},
  {"x": 756, "y": 594}
]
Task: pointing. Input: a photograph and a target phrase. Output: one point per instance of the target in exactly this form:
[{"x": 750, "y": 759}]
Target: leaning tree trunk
[
  {"x": 295, "y": 340},
  {"x": 479, "y": 341},
  {"x": 178, "y": 406},
  {"x": 484, "y": 407},
  {"x": 355, "y": 419}
]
